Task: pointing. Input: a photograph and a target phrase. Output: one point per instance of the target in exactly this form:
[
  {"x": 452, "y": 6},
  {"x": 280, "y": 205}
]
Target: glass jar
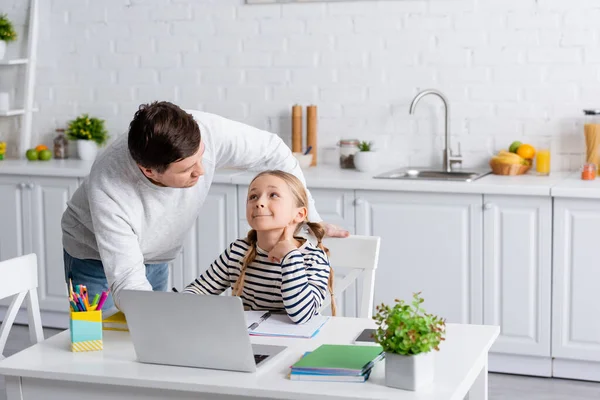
[
  {"x": 588, "y": 172},
  {"x": 61, "y": 145},
  {"x": 591, "y": 132},
  {"x": 348, "y": 148}
]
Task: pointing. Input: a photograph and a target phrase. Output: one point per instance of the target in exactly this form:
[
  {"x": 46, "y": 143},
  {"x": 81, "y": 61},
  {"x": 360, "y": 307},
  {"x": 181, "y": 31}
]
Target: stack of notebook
[
  {"x": 116, "y": 322},
  {"x": 337, "y": 363}
]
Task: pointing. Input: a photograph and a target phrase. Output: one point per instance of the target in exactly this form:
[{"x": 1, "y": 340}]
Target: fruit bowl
[{"x": 499, "y": 168}]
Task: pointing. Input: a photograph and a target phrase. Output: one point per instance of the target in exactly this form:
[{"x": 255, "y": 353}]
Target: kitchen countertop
[
  {"x": 560, "y": 184},
  {"x": 330, "y": 177},
  {"x": 574, "y": 187},
  {"x": 74, "y": 168},
  {"x": 60, "y": 168}
]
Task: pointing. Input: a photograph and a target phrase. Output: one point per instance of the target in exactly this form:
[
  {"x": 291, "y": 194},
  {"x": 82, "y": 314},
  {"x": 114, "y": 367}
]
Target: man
[{"x": 129, "y": 218}]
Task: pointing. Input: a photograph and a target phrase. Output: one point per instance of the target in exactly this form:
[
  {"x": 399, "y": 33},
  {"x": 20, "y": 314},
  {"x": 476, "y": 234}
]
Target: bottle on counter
[{"x": 61, "y": 145}]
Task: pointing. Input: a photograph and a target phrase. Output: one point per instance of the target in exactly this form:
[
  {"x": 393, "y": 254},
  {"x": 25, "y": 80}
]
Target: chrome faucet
[{"x": 449, "y": 158}]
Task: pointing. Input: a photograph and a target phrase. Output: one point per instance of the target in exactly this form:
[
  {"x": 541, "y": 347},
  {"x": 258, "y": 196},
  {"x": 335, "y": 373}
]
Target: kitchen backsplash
[{"x": 512, "y": 69}]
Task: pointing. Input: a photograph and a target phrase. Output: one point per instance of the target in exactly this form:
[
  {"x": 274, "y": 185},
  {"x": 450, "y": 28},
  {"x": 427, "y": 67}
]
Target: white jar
[{"x": 348, "y": 148}]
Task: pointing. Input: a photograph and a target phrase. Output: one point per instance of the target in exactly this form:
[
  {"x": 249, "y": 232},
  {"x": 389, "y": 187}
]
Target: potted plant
[
  {"x": 365, "y": 160},
  {"x": 408, "y": 336},
  {"x": 7, "y": 34},
  {"x": 89, "y": 132}
]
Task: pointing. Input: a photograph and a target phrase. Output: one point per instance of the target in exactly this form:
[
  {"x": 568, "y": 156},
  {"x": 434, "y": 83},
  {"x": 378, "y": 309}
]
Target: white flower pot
[
  {"x": 87, "y": 149},
  {"x": 2, "y": 49},
  {"x": 366, "y": 161},
  {"x": 409, "y": 372}
]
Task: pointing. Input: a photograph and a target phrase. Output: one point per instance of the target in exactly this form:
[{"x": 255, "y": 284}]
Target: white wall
[{"x": 512, "y": 69}]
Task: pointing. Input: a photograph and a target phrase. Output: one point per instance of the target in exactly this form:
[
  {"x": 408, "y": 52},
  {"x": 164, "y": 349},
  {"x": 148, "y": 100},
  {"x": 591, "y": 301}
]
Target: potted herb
[
  {"x": 408, "y": 336},
  {"x": 366, "y": 160},
  {"x": 89, "y": 132},
  {"x": 7, "y": 34}
]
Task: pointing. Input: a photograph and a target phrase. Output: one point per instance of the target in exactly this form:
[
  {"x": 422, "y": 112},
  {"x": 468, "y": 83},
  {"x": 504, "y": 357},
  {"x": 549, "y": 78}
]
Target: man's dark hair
[{"x": 162, "y": 133}]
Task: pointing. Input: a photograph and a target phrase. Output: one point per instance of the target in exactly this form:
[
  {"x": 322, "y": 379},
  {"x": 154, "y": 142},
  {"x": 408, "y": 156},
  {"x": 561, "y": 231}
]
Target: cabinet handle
[
  {"x": 30, "y": 186},
  {"x": 488, "y": 206},
  {"x": 359, "y": 202},
  {"x": 21, "y": 185}
]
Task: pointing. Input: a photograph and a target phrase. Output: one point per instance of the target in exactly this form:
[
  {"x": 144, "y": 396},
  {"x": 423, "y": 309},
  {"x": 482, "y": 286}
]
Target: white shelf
[
  {"x": 17, "y": 61},
  {"x": 12, "y": 113}
]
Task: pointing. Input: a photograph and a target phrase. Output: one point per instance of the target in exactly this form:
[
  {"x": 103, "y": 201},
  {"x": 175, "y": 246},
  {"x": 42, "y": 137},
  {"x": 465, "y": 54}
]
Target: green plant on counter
[
  {"x": 7, "y": 30},
  {"x": 365, "y": 146},
  {"x": 85, "y": 127},
  {"x": 406, "y": 329}
]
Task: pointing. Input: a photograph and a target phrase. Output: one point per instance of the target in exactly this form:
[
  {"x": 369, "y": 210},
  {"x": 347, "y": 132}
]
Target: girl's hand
[{"x": 286, "y": 244}]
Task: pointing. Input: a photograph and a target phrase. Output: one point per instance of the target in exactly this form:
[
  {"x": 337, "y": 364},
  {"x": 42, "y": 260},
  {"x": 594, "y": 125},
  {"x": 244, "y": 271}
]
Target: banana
[
  {"x": 506, "y": 157},
  {"x": 503, "y": 159}
]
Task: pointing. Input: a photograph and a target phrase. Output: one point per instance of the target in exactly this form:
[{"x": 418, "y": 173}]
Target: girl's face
[{"x": 271, "y": 204}]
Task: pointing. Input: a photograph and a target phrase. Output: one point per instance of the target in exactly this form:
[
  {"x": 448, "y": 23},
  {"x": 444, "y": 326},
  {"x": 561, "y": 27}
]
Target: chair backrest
[
  {"x": 19, "y": 278},
  {"x": 360, "y": 254}
]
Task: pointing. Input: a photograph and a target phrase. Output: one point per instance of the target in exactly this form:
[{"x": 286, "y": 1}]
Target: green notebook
[{"x": 339, "y": 358}]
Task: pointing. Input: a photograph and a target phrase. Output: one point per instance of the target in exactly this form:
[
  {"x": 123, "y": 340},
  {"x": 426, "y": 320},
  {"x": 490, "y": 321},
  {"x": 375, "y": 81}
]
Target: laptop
[{"x": 192, "y": 331}]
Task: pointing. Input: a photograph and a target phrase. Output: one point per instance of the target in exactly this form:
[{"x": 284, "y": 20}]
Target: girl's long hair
[{"x": 301, "y": 198}]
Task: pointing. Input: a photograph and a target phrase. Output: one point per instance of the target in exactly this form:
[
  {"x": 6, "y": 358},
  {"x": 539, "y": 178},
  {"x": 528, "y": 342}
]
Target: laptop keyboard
[{"x": 258, "y": 358}]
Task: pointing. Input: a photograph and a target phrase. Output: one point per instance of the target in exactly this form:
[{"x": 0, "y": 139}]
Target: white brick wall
[{"x": 512, "y": 69}]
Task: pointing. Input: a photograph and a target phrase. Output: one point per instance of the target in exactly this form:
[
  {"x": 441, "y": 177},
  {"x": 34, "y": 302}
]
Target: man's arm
[
  {"x": 118, "y": 244},
  {"x": 239, "y": 145}
]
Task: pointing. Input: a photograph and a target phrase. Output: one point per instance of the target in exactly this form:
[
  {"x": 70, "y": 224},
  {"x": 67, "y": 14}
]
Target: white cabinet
[
  {"x": 215, "y": 228},
  {"x": 517, "y": 280},
  {"x": 32, "y": 208},
  {"x": 11, "y": 217},
  {"x": 336, "y": 207},
  {"x": 176, "y": 272},
  {"x": 430, "y": 243},
  {"x": 576, "y": 289},
  {"x": 49, "y": 198}
]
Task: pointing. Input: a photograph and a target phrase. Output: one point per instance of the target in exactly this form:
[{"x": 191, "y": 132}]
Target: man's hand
[
  {"x": 334, "y": 231},
  {"x": 286, "y": 244}
]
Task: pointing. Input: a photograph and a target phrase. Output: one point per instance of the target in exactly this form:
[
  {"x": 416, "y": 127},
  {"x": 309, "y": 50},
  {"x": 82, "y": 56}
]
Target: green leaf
[
  {"x": 365, "y": 146},
  {"x": 407, "y": 329},
  {"x": 7, "y": 30},
  {"x": 85, "y": 127}
]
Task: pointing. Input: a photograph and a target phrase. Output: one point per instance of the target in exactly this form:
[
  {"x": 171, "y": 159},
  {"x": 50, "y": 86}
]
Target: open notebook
[{"x": 281, "y": 325}]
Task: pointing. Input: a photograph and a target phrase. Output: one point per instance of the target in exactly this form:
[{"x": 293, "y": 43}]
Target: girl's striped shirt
[{"x": 297, "y": 285}]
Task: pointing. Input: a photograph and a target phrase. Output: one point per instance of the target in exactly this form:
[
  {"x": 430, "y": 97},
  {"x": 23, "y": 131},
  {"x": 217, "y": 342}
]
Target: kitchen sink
[{"x": 418, "y": 174}]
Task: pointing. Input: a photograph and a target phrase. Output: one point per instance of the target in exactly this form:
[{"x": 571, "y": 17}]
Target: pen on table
[
  {"x": 309, "y": 148},
  {"x": 96, "y": 298},
  {"x": 102, "y": 300},
  {"x": 261, "y": 319},
  {"x": 78, "y": 303},
  {"x": 174, "y": 290},
  {"x": 85, "y": 299}
]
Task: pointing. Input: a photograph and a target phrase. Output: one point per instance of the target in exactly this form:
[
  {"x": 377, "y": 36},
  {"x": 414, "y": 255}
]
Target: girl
[{"x": 272, "y": 269}]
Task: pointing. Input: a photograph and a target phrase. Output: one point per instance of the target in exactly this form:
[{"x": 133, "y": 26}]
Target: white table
[{"x": 50, "y": 371}]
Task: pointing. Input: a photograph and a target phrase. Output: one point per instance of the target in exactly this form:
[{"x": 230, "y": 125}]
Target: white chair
[
  {"x": 19, "y": 278},
  {"x": 360, "y": 254}
]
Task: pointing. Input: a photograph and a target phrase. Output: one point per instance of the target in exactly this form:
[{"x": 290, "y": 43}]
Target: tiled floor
[{"x": 502, "y": 387}]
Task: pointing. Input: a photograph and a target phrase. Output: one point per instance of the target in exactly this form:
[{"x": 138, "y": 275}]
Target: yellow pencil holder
[{"x": 86, "y": 330}]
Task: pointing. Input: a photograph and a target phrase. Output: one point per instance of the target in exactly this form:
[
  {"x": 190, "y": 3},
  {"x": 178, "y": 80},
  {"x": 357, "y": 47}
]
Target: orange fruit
[
  {"x": 41, "y": 147},
  {"x": 526, "y": 151}
]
